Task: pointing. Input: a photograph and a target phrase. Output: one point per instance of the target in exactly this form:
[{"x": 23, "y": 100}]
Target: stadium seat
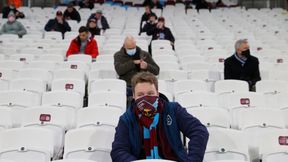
[
  {"x": 27, "y": 144},
  {"x": 13, "y": 65},
  {"x": 50, "y": 57},
  {"x": 212, "y": 117},
  {"x": 112, "y": 99},
  {"x": 184, "y": 86},
  {"x": 64, "y": 99},
  {"x": 173, "y": 75},
  {"x": 226, "y": 144},
  {"x": 197, "y": 99},
  {"x": 95, "y": 143},
  {"x": 75, "y": 65},
  {"x": 97, "y": 116},
  {"x": 35, "y": 73},
  {"x": 6, "y": 75},
  {"x": 102, "y": 74},
  {"x": 22, "y": 57},
  {"x": 108, "y": 85},
  {"x": 18, "y": 98},
  {"x": 69, "y": 74},
  {"x": 6, "y": 120},
  {"x": 37, "y": 86},
  {"x": 44, "y": 65},
  {"x": 230, "y": 86},
  {"x": 74, "y": 85},
  {"x": 271, "y": 86},
  {"x": 273, "y": 146},
  {"x": 82, "y": 58}
]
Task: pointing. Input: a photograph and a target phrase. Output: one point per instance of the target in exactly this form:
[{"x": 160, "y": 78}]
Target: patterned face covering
[{"x": 146, "y": 109}]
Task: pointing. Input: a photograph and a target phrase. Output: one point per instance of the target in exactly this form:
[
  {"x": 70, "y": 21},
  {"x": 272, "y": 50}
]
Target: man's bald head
[{"x": 129, "y": 42}]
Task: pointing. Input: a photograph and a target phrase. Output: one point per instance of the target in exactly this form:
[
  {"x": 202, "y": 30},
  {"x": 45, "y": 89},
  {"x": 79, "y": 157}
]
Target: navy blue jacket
[{"x": 127, "y": 146}]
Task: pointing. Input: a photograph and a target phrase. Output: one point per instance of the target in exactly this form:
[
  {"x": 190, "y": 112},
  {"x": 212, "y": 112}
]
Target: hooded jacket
[{"x": 91, "y": 47}]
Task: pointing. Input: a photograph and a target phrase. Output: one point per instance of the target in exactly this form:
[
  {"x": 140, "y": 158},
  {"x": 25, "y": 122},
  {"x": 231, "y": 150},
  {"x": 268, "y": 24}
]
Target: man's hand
[
  {"x": 137, "y": 62},
  {"x": 143, "y": 65}
]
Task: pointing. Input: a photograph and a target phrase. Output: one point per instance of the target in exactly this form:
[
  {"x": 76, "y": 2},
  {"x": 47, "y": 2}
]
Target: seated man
[
  {"x": 151, "y": 126},
  {"x": 12, "y": 26},
  {"x": 242, "y": 66},
  {"x": 58, "y": 24},
  {"x": 160, "y": 32},
  {"x": 150, "y": 24},
  {"x": 145, "y": 17},
  {"x": 86, "y": 4},
  {"x": 83, "y": 44},
  {"x": 131, "y": 60},
  {"x": 101, "y": 20},
  {"x": 71, "y": 13},
  {"x": 11, "y": 8}
]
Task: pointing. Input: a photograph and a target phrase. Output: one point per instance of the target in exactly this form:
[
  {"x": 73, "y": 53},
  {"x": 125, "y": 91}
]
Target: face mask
[
  {"x": 12, "y": 7},
  {"x": 147, "y": 105},
  {"x": 131, "y": 52},
  {"x": 246, "y": 53},
  {"x": 11, "y": 19}
]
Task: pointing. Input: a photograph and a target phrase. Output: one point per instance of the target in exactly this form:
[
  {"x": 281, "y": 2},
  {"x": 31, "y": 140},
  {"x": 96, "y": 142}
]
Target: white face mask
[{"x": 131, "y": 52}]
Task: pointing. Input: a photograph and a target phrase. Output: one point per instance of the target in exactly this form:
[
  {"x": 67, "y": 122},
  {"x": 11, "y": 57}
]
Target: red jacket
[{"x": 91, "y": 47}]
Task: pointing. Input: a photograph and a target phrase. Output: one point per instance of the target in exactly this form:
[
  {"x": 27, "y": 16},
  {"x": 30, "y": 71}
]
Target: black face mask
[{"x": 246, "y": 53}]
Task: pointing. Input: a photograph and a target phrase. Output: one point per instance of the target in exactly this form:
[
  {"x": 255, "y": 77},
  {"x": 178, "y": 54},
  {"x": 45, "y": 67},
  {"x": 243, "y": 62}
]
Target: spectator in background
[
  {"x": 11, "y": 8},
  {"x": 131, "y": 60},
  {"x": 86, "y": 4},
  {"x": 102, "y": 22},
  {"x": 202, "y": 4},
  {"x": 160, "y": 32},
  {"x": 145, "y": 17},
  {"x": 12, "y": 26},
  {"x": 93, "y": 28},
  {"x": 220, "y": 3},
  {"x": 83, "y": 44},
  {"x": 151, "y": 23},
  {"x": 242, "y": 65},
  {"x": 151, "y": 127},
  {"x": 153, "y": 4},
  {"x": 71, "y": 13},
  {"x": 58, "y": 24}
]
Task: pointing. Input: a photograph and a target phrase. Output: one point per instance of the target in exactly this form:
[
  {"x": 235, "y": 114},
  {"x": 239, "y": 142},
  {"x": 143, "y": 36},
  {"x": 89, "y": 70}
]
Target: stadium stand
[{"x": 54, "y": 108}]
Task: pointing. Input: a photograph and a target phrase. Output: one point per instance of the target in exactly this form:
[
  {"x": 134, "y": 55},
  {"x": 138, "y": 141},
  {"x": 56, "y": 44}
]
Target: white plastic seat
[
  {"x": 13, "y": 65},
  {"x": 173, "y": 75},
  {"x": 271, "y": 86},
  {"x": 102, "y": 65},
  {"x": 51, "y": 35},
  {"x": 28, "y": 144},
  {"x": 197, "y": 99},
  {"x": 103, "y": 74},
  {"x": 229, "y": 86},
  {"x": 113, "y": 99},
  {"x": 82, "y": 58},
  {"x": 35, "y": 73},
  {"x": 184, "y": 86},
  {"x": 212, "y": 117},
  {"x": 168, "y": 65},
  {"x": 37, "y": 86},
  {"x": 5, "y": 119},
  {"x": 75, "y": 65},
  {"x": 75, "y": 85},
  {"x": 97, "y": 116},
  {"x": 6, "y": 75},
  {"x": 273, "y": 146},
  {"x": 69, "y": 74},
  {"x": 18, "y": 98},
  {"x": 50, "y": 57},
  {"x": 161, "y": 45},
  {"x": 63, "y": 99},
  {"x": 108, "y": 85},
  {"x": 196, "y": 66},
  {"x": 226, "y": 144},
  {"x": 95, "y": 143},
  {"x": 22, "y": 57},
  {"x": 44, "y": 65}
]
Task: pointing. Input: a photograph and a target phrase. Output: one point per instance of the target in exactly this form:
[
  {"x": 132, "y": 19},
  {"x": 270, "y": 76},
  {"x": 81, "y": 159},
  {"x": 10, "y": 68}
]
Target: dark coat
[
  {"x": 74, "y": 15},
  {"x": 7, "y": 10},
  {"x": 126, "y": 68},
  {"x": 53, "y": 25},
  {"x": 104, "y": 21},
  {"x": 155, "y": 32},
  {"x": 127, "y": 146},
  {"x": 249, "y": 72},
  {"x": 145, "y": 17}
]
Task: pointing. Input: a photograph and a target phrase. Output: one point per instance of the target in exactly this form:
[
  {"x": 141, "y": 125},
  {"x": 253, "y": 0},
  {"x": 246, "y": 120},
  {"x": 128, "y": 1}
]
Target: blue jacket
[{"x": 127, "y": 146}]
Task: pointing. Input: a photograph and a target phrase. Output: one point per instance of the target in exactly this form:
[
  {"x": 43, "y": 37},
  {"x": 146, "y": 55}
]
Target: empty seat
[
  {"x": 35, "y": 73},
  {"x": 184, "y": 86},
  {"x": 173, "y": 75},
  {"x": 102, "y": 74},
  {"x": 5, "y": 119},
  {"x": 212, "y": 117},
  {"x": 273, "y": 146},
  {"x": 37, "y": 86},
  {"x": 103, "y": 65},
  {"x": 75, "y": 85},
  {"x": 13, "y": 65},
  {"x": 5, "y": 76},
  {"x": 97, "y": 116},
  {"x": 69, "y": 74},
  {"x": 229, "y": 86},
  {"x": 22, "y": 57},
  {"x": 27, "y": 144},
  {"x": 95, "y": 143},
  {"x": 197, "y": 99},
  {"x": 50, "y": 57},
  {"x": 226, "y": 144},
  {"x": 108, "y": 85},
  {"x": 18, "y": 98},
  {"x": 113, "y": 99},
  {"x": 168, "y": 65},
  {"x": 75, "y": 65},
  {"x": 81, "y": 58},
  {"x": 271, "y": 86},
  {"x": 64, "y": 99},
  {"x": 45, "y": 65}
]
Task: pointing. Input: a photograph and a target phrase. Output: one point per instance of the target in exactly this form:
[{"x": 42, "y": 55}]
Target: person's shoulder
[
  {"x": 254, "y": 59},
  {"x": 119, "y": 53},
  {"x": 229, "y": 59}
]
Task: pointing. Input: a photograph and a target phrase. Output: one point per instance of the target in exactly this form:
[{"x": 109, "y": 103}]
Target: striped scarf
[{"x": 148, "y": 115}]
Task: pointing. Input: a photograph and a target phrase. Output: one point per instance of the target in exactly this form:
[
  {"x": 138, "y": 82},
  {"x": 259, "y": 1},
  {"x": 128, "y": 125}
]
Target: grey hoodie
[{"x": 13, "y": 28}]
